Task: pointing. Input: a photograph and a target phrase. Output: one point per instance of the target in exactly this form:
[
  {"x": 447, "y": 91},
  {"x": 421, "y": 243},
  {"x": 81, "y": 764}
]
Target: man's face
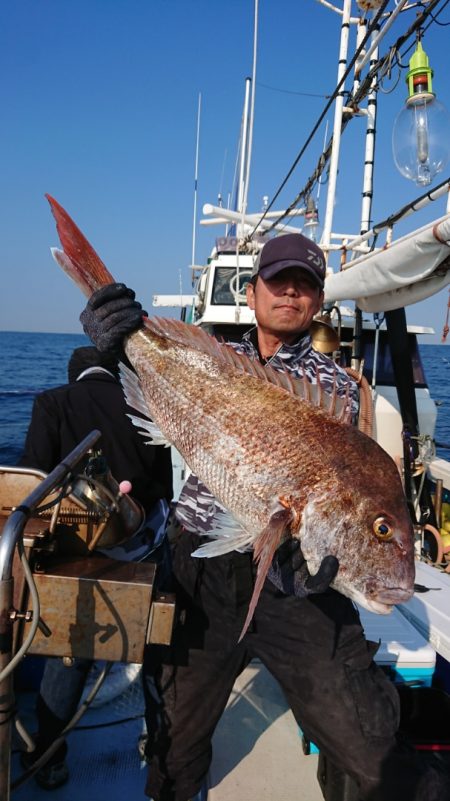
[{"x": 285, "y": 304}]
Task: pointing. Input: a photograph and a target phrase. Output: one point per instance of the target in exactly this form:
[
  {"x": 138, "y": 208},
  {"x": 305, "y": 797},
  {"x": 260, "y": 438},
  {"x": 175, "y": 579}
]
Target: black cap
[
  {"x": 291, "y": 250},
  {"x": 82, "y": 358}
]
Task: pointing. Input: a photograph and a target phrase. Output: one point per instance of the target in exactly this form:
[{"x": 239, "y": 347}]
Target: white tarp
[{"x": 407, "y": 271}]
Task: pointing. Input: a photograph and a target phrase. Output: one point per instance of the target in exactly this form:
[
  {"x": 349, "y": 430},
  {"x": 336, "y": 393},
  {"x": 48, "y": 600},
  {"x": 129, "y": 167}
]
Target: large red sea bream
[{"x": 277, "y": 453}]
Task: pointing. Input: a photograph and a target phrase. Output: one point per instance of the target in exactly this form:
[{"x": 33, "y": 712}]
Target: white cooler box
[
  {"x": 429, "y": 612},
  {"x": 403, "y": 649}
]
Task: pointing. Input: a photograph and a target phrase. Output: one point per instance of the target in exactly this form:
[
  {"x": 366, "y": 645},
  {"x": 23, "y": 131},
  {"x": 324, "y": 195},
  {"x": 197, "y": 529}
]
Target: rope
[
  {"x": 446, "y": 326},
  {"x": 365, "y": 419},
  {"x": 437, "y": 536}
]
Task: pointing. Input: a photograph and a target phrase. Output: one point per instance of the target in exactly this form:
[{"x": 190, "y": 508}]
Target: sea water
[{"x": 31, "y": 363}]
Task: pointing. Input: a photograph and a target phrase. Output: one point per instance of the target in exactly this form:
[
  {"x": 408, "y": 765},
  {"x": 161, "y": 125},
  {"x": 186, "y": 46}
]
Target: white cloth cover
[{"x": 403, "y": 273}]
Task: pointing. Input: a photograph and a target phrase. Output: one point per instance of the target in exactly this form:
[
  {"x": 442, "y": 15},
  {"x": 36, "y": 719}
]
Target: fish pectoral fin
[
  {"x": 266, "y": 544},
  {"x": 149, "y": 430},
  {"x": 135, "y": 398},
  {"x": 132, "y": 390},
  {"x": 225, "y": 540}
]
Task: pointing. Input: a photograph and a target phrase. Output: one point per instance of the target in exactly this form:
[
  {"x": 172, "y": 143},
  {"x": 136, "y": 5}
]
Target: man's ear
[
  {"x": 250, "y": 292},
  {"x": 319, "y": 302}
]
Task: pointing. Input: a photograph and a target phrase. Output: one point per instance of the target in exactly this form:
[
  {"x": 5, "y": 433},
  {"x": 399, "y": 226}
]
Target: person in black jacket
[
  {"x": 61, "y": 418},
  {"x": 307, "y": 634}
]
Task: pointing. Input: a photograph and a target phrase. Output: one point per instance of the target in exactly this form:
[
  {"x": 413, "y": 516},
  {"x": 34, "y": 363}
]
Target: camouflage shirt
[{"x": 197, "y": 509}]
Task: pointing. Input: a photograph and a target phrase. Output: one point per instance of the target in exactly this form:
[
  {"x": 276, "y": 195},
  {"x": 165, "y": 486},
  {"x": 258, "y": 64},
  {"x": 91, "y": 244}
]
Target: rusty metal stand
[{"x": 12, "y": 532}]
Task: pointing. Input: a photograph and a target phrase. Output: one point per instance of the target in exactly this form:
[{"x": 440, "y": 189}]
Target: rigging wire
[
  {"x": 291, "y": 91},
  {"x": 382, "y": 66},
  {"x": 445, "y": 329},
  {"x": 432, "y": 195},
  {"x": 365, "y": 86},
  {"x": 197, "y": 148},
  {"x": 317, "y": 124},
  {"x": 220, "y": 197},
  {"x": 423, "y": 29},
  {"x": 435, "y": 19}
]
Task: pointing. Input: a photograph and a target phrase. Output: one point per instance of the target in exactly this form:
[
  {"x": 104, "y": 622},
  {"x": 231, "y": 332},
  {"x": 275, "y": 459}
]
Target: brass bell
[{"x": 324, "y": 337}]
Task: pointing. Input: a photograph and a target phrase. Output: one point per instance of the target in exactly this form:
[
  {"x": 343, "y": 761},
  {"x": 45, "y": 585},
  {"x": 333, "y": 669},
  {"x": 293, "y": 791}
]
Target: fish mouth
[
  {"x": 377, "y": 607},
  {"x": 385, "y": 598}
]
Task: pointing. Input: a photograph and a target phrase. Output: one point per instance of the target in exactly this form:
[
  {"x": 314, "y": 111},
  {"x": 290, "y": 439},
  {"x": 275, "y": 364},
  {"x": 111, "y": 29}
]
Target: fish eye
[{"x": 382, "y": 529}]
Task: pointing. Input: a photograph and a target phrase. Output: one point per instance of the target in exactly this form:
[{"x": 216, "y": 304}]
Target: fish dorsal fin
[{"x": 194, "y": 337}]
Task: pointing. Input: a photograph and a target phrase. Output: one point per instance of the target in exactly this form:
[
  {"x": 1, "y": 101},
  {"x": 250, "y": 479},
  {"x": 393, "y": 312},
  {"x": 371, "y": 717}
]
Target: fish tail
[
  {"x": 264, "y": 550},
  {"x": 79, "y": 261}
]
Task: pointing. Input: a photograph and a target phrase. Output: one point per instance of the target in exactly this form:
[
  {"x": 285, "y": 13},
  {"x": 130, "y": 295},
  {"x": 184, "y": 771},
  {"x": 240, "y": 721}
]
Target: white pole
[
  {"x": 334, "y": 8},
  {"x": 252, "y": 113},
  {"x": 334, "y": 160},
  {"x": 194, "y": 222},
  {"x": 243, "y": 147},
  {"x": 431, "y": 196},
  {"x": 249, "y": 219},
  {"x": 371, "y": 118}
]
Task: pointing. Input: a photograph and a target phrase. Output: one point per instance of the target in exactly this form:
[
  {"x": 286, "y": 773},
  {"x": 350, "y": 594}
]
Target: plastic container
[
  {"x": 425, "y": 718},
  {"x": 425, "y": 715}
]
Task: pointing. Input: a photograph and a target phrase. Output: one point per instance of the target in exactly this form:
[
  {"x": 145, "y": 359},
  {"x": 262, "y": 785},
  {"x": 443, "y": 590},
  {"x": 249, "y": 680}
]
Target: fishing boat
[{"x": 372, "y": 275}]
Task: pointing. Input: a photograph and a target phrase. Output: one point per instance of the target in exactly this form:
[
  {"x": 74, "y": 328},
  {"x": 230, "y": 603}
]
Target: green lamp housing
[{"x": 420, "y": 74}]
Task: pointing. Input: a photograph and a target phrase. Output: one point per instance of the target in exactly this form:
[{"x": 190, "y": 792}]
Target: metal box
[{"x": 95, "y": 608}]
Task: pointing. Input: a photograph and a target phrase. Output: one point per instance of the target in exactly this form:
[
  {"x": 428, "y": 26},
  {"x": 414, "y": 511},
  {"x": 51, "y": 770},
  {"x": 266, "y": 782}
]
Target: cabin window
[{"x": 225, "y": 286}]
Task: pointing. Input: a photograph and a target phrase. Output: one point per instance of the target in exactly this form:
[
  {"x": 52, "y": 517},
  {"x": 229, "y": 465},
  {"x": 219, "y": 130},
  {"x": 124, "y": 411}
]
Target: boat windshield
[
  {"x": 384, "y": 370},
  {"x": 226, "y": 286}
]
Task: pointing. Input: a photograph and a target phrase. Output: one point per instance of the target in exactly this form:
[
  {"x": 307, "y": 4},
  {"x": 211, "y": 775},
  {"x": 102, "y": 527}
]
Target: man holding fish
[{"x": 274, "y": 463}]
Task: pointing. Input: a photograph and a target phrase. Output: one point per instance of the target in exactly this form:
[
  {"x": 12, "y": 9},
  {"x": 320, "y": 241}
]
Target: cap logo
[{"x": 314, "y": 258}]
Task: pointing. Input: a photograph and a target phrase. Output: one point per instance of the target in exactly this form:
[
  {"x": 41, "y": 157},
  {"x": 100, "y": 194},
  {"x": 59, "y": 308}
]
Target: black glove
[
  {"x": 110, "y": 314},
  {"x": 289, "y": 571}
]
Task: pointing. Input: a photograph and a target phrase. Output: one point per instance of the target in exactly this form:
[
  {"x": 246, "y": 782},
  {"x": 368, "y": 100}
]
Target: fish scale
[
  {"x": 280, "y": 464},
  {"x": 242, "y": 412}
]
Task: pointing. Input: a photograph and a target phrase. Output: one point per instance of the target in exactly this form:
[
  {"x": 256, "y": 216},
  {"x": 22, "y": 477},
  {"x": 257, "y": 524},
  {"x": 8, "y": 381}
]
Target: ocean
[{"x": 30, "y": 363}]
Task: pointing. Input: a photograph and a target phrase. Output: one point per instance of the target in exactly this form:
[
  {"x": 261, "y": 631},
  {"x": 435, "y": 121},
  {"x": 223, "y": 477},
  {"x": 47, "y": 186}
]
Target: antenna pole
[
  {"x": 252, "y": 113},
  {"x": 194, "y": 222},
  {"x": 243, "y": 155}
]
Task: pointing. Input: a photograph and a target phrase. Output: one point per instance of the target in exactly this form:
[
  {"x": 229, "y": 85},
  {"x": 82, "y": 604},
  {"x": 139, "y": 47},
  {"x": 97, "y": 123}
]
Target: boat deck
[
  {"x": 258, "y": 752},
  {"x": 103, "y": 756},
  {"x": 256, "y": 729}
]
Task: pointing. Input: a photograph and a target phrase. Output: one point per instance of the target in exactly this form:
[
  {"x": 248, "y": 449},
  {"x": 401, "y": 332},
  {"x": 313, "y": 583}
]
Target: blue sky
[{"x": 99, "y": 102}]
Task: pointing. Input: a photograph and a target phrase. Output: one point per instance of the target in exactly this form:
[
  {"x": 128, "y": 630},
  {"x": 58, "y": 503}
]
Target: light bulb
[
  {"x": 311, "y": 227},
  {"x": 421, "y": 123},
  {"x": 421, "y": 139},
  {"x": 421, "y": 132}
]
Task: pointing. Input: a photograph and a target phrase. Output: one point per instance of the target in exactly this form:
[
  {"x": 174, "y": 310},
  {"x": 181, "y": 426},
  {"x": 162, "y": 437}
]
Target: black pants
[{"x": 314, "y": 647}]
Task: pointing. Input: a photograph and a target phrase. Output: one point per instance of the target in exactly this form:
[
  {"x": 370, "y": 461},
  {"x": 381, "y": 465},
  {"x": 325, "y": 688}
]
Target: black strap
[{"x": 404, "y": 379}]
